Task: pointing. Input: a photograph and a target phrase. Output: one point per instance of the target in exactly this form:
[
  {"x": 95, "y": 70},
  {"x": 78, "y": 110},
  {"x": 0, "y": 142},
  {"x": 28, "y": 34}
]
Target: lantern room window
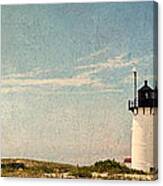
[{"x": 146, "y": 95}]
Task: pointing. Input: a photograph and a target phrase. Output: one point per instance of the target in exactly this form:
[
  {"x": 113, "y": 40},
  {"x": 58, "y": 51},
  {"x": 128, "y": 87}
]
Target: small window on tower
[{"x": 146, "y": 95}]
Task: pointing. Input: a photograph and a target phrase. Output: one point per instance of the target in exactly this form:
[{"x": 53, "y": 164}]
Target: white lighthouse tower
[{"x": 144, "y": 127}]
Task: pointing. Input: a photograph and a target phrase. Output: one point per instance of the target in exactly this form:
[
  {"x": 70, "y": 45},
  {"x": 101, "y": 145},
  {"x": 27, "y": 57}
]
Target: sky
[{"x": 67, "y": 76}]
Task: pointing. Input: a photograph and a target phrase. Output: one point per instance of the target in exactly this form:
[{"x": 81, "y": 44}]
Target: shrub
[{"x": 81, "y": 173}]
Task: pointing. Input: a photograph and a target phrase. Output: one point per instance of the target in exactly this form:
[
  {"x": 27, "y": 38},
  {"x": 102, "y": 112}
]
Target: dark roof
[{"x": 145, "y": 87}]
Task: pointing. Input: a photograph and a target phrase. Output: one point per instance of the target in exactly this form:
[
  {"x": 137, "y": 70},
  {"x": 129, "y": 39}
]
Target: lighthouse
[{"x": 144, "y": 126}]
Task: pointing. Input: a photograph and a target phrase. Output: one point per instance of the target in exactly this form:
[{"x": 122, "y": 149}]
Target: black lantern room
[{"x": 147, "y": 97}]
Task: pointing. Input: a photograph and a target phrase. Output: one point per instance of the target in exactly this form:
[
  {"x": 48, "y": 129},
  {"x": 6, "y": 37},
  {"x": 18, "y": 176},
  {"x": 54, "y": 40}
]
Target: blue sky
[{"x": 67, "y": 75}]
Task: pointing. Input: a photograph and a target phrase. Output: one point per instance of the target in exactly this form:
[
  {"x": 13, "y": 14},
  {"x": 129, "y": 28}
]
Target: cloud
[
  {"x": 55, "y": 82},
  {"x": 8, "y": 90},
  {"x": 94, "y": 54},
  {"x": 116, "y": 62},
  {"x": 22, "y": 81},
  {"x": 29, "y": 85},
  {"x": 91, "y": 91},
  {"x": 30, "y": 74}
]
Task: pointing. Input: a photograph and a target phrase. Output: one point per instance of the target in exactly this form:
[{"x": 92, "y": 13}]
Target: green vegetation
[
  {"x": 81, "y": 172},
  {"x": 112, "y": 166},
  {"x": 31, "y": 168},
  {"x": 107, "y": 166},
  {"x": 107, "y": 169}
]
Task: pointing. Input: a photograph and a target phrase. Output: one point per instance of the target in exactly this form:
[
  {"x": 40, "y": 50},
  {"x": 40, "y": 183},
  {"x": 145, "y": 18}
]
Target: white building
[{"x": 144, "y": 127}]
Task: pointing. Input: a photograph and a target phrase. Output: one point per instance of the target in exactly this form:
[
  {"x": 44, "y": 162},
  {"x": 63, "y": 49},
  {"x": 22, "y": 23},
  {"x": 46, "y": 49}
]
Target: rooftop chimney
[{"x": 145, "y": 82}]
